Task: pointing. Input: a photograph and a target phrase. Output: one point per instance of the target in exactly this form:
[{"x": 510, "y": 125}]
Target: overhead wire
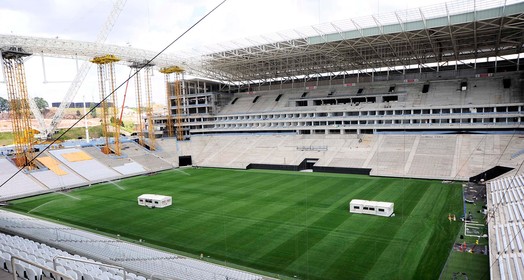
[{"x": 146, "y": 64}]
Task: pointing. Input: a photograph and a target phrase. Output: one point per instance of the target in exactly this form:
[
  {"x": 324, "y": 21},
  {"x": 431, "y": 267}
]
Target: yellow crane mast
[
  {"x": 138, "y": 93},
  {"x": 20, "y": 112},
  {"x": 106, "y": 83},
  {"x": 178, "y": 89},
  {"x": 148, "y": 106}
]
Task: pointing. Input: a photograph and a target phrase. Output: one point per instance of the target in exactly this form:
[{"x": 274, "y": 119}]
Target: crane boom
[
  {"x": 39, "y": 117},
  {"x": 84, "y": 68}
]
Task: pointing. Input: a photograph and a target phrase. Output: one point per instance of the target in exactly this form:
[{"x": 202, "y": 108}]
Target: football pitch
[{"x": 282, "y": 224}]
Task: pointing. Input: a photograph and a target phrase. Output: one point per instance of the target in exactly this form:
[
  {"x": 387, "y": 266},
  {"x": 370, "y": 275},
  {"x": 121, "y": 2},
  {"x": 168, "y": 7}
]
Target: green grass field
[
  {"x": 285, "y": 224},
  {"x": 475, "y": 266}
]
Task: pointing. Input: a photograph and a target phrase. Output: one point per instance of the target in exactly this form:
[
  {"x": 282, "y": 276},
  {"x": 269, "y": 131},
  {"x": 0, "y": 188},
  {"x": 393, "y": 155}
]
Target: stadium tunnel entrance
[
  {"x": 185, "y": 161},
  {"x": 489, "y": 174}
]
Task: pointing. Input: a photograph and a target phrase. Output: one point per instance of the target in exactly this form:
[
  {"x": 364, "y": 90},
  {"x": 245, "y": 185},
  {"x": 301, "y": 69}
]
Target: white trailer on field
[
  {"x": 154, "y": 200},
  {"x": 378, "y": 208}
]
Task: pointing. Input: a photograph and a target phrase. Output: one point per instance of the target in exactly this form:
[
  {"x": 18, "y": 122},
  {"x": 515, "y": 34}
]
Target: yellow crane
[
  {"x": 106, "y": 83},
  {"x": 20, "y": 112},
  {"x": 148, "y": 107},
  {"x": 178, "y": 90}
]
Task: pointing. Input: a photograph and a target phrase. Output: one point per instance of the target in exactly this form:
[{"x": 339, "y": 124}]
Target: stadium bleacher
[
  {"x": 20, "y": 185},
  {"x": 124, "y": 165},
  {"x": 505, "y": 225},
  {"x": 449, "y": 157},
  {"x": 50, "y": 240},
  {"x": 146, "y": 159},
  {"x": 88, "y": 168}
]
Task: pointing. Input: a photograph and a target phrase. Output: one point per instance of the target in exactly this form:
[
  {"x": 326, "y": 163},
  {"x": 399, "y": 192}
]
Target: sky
[{"x": 152, "y": 24}]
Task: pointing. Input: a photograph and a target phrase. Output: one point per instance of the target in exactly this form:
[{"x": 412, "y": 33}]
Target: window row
[{"x": 398, "y": 112}]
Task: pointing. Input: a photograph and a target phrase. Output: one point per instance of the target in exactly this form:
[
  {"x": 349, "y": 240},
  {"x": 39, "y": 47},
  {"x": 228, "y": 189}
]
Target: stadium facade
[{"x": 423, "y": 71}]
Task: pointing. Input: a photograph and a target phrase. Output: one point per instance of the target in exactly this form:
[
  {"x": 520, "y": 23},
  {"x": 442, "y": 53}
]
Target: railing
[
  {"x": 88, "y": 262},
  {"x": 54, "y": 271}
]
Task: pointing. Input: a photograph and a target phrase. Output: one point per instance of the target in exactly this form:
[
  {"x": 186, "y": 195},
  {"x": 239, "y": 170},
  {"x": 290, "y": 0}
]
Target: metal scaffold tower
[
  {"x": 20, "y": 112},
  {"x": 178, "y": 88},
  {"x": 109, "y": 116},
  {"x": 138, "y": 94},
  {"x": 147, "y": 109}
]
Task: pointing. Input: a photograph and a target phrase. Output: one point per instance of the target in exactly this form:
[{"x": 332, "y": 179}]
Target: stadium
[{"x": 383, "y": 147}]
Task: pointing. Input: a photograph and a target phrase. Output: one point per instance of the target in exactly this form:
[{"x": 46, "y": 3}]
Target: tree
[
  {"x": 4, "y": 104},
  {"x": 93, "y": 112},
  {"x": 41, "y": 103},
  {"x": 116, "y": 121}
]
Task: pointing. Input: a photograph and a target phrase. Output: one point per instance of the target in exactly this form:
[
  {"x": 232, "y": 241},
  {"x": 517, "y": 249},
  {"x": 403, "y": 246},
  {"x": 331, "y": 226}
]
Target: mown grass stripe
[{"x": 285, "y": 223}]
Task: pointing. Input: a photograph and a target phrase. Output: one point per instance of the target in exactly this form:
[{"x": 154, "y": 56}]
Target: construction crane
[
  {"x": 146, "y": 67},
  {"x": 106, "y": 83},
  {"x": 178, "y": 84},
  {"x": 82, "y": 72},
  {"x": 14, "y": 73},
  {"x": 138, "y": 95},
  {"x": 149, "y": 108}
]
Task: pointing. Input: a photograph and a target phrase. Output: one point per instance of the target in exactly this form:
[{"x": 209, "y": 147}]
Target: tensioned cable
[{"x": 148, "y": 63}]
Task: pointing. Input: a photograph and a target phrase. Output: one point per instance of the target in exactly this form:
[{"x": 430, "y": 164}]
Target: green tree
[
  {"x": 41, "y": 103},
  {"x": 116, "y": 121},
  {"x": 4, "y": 104},
  {"x": 93, "y": 113}
]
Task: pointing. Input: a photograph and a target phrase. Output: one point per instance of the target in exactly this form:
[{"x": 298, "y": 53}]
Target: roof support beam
[{"x": 450, "y": 30}]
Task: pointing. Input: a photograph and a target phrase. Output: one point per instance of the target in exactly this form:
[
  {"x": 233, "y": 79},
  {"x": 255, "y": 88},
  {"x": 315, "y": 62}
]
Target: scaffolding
[
  {"x": 169, "y": 94},
  {"x": 138, "y": 95},
  {"x": 178, "y": 88},
  {"x": 147, "y": 109},
  {"x": 20, "y": 112},
  {"x": 109, "y": 115}
]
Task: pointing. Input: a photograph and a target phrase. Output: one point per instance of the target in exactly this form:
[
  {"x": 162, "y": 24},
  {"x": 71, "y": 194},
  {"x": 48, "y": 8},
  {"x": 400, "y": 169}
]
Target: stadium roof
[{"x": 441, "y": 33}]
